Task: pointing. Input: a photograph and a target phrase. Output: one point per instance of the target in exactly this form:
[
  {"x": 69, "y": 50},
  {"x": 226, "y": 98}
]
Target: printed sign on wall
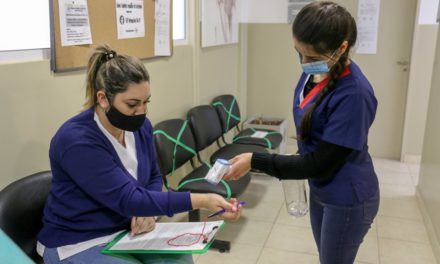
[
  {"x": 130, "y": 18},
  {"x": 74, "y": 23}
]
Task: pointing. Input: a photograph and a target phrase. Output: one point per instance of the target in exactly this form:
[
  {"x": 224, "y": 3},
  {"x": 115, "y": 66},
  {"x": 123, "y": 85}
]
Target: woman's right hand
[
  {"x": 240, "y": 165},
  {"x": 214, "y": 202}
]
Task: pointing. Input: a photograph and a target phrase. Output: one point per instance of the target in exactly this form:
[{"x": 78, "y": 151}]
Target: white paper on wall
[
  {"x": 162, "y": 28},
  {"x": 130, "y": 19},
  {"x": 74, "y": 23},
  {"x": 368, "y": 25}
]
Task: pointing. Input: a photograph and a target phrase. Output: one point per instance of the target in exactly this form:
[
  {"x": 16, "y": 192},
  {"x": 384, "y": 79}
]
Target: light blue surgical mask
[{"x": 316, "y": 67}]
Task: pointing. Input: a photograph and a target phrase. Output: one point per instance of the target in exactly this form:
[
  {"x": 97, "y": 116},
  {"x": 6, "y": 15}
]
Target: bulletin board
[{"x": 103, "y": 27}]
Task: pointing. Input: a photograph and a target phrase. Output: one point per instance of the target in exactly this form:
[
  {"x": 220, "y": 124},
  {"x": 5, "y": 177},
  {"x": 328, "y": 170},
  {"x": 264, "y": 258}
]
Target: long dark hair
[
  {"x": 111, "y": 73},
  {"x": 324, "y": 25}
]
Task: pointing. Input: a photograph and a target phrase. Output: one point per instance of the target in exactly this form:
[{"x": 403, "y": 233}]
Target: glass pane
[
  {"x": 24, "y": 25},
  {"x": 179, "y": 19}
]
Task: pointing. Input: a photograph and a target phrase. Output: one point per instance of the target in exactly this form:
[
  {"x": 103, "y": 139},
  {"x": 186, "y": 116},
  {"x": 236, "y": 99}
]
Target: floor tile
[
  {"x": 263, "y": 188},
  {"x": 287, "y": 219},
  {"x": 402, "y": 252},
  {"x": 369, "y": 250},
  {"x": 391, "y": 190},
  {"x": 373, "y": 229},
  {"x": 239, "y": 254},
  {"x": 402, "y": 229},
  {"x": 292, "y": 238},
  {"x": 265, "y": 178},
  {"x": 395, "y": 178},
  {"x": 253, "y": 233},
  {"x": 402, "y": 207},
  {"x": 277, "y": 256},
  {"x": 390, "y": 165},
  {"x": 261, "y": 211}
]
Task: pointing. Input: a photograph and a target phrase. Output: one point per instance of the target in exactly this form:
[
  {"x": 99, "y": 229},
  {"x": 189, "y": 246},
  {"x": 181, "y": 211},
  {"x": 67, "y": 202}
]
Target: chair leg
[
  {"x": 224, "y": 140},
  {"x": 221, "y": 245}
]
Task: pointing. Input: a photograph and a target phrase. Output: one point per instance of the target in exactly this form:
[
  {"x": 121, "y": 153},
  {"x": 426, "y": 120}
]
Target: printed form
[{"x": 164, "y": 233}]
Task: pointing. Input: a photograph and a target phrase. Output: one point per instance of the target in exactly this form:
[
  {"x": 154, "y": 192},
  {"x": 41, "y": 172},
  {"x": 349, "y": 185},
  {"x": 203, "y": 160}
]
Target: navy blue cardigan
[{"x": 92, "y": 193}]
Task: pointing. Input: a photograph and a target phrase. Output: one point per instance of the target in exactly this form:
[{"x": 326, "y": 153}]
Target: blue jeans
[
  {"x": 339, "y": 230},
  {"x": 94, "y": 256}
]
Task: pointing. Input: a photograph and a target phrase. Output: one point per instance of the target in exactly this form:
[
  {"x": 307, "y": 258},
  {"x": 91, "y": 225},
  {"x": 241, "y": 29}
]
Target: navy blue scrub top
[{"x": 343, "y": 118}]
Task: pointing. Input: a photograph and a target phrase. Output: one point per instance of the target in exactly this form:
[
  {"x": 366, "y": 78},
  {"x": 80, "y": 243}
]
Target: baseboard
[
  {"x": 408, "y": 158},
  {"x": 435, "y": 243}
]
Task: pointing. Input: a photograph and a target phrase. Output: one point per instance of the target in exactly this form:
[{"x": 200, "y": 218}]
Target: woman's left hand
[{"x": 141, "y": 225}]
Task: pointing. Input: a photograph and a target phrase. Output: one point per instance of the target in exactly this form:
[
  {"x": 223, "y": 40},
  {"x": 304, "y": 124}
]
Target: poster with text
[
  {"x": 162, "y": 28},
  {"x": 130, "y": 19},
  {"x": 368, "y": 26},
  {"x": 74, "y": 23}
]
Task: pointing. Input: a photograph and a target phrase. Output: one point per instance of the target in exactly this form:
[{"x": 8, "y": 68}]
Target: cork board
[{"x": 103, "y": 27}]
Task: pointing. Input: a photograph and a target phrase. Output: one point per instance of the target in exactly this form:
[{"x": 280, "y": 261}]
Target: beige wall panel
[
  {"x": 171, "y": 85},
  {"x": 273, "y": 71},
  {"x": 219, "y": 70},
  {"x": 419, "y": 87},
  {"x": 33, "y": 104}
]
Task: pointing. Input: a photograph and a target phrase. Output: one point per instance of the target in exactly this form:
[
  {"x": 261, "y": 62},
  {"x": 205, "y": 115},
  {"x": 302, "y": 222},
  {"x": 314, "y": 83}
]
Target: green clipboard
[{"x": 130, "y": 254}]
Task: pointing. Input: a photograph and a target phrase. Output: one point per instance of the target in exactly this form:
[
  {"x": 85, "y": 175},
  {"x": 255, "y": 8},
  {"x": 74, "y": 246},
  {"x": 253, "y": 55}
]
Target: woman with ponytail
[
  {"x": 105, "y": 175},
  {"x": 333, "y": 108}
]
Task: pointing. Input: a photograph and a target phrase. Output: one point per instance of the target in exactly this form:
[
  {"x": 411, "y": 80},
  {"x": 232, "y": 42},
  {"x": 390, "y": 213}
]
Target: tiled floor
[{"x": 267, "y": 234}]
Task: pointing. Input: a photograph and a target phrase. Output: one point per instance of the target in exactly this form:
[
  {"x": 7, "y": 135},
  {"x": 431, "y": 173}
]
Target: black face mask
[{"x": 124, "y": 122}]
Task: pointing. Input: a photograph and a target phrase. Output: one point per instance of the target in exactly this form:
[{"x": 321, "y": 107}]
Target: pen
[{"x": 222, "y": 211}]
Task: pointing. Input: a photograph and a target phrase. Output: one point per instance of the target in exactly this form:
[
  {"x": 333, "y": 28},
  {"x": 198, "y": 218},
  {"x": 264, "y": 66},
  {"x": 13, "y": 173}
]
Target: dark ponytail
[{"x": 325, "y": 26}]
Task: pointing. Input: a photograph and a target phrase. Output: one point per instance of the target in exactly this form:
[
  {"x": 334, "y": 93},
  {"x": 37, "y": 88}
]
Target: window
[
  {"x": 428, "y": 12},
  {"x": 179, "y": 19},
  {"x": 24, "y": 25}
]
